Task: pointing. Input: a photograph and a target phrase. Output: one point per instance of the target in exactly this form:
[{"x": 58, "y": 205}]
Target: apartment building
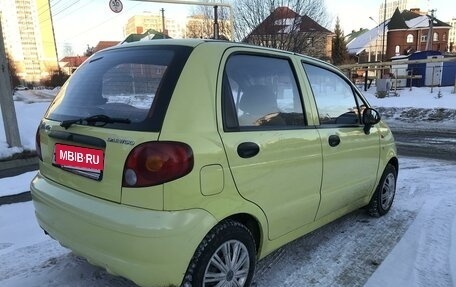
[
  {"x": 196, "y": 26},
  {"x": 138, "y": 24},
  {"x": 28, "y": 37}
]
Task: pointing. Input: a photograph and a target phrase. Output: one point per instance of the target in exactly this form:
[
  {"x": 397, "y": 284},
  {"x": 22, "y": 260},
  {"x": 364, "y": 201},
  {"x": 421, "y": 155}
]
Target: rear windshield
[{"x": 132, "y": 84}]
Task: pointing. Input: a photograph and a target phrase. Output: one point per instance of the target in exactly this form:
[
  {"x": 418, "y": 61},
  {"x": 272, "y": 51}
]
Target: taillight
[
  {"x": 38, "y": 144},
  {"x": 154, "y": 163}
]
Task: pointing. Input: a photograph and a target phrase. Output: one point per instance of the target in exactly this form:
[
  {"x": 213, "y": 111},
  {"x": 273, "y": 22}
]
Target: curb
[
  {"x": 16, "y": 198},
  {"x": 14, "y": 167}
]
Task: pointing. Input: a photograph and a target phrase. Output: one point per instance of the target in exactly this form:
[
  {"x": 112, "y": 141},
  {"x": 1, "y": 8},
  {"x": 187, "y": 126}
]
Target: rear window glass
[{"x": 132, "y": 83}]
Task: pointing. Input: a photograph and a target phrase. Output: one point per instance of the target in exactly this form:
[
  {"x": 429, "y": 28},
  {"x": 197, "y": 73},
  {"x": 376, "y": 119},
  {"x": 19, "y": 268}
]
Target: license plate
[{"x": 81, "y": 158}]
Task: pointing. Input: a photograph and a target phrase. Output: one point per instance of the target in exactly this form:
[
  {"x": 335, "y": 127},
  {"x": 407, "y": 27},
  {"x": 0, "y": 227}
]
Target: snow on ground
[
  {"x": 344, "y": 253},
  {"x": 415, "y": 243}
]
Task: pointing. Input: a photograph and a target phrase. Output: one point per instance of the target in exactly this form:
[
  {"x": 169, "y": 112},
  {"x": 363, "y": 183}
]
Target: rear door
[
  {"x": 274, "y": 156},
  {"x": 350, "y": 157}
]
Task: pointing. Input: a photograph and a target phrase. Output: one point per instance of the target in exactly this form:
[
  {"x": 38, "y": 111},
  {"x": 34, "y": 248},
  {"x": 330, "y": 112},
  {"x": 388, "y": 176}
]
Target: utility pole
[
  {"x": 216, "y": 25},
  {"x": 430, "y": 37},
  {"x": 13, "y": 138}
]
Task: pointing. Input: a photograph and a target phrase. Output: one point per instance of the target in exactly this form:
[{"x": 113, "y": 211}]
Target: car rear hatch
[{"x": 115, "y": 101}]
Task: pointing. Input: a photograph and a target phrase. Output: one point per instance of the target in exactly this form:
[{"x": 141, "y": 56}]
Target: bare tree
[
  {"x": 201, "y": 23},
  {"x": 284, "y": 28}
]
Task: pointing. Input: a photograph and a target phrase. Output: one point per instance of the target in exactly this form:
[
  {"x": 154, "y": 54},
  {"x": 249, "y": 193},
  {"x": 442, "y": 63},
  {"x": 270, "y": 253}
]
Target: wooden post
[{"x": 13, "y": 138}]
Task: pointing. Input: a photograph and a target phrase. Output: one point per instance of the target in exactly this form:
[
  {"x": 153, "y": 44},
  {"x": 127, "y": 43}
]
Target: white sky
[{"x": 86, "y": 22}]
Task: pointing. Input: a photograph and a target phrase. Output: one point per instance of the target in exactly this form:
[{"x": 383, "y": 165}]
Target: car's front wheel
[
  {"x": 383, "y": 197},
  {"x": 225, "y": 257}
]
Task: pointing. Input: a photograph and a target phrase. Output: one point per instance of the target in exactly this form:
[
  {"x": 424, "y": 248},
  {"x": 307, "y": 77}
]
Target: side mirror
[{"x": 370, "y": 118}]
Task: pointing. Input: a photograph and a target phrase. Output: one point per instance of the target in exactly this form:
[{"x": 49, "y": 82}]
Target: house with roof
[
  {"x": 104, "y": 44},
  {"x": 410, "y": 31},
  {"x": 69, "y": 64},
  {"x": 285, "y": 29},
  {"x": 405, "y": 32}
]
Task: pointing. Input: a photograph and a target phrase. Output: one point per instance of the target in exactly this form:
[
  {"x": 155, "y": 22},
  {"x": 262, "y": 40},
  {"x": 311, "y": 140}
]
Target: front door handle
[
  {"x": 248, "y": 149},
  {"x": 334, "y": 140}
]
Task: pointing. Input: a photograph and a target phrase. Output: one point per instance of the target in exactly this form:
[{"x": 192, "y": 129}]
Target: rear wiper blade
[{"x": 104, "y": 119}]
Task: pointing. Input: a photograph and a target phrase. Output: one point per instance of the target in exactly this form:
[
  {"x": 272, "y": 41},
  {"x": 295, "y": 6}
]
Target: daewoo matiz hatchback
[{"x": 183, "y": 162}]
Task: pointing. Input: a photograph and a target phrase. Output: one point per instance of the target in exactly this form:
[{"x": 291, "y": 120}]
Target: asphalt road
[{"x": 438, "y": 144}]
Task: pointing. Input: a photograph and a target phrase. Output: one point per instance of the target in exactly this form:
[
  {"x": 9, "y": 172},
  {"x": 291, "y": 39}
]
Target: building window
[
  {"x": 423, "y": 38},
  {"x": 310, "y": 41},
  {"x": 409, "y": 38},
  {"x": 444, "y": 37},
  {"x": 436, "y": 37},
  {"x": 397, "y": 49}
]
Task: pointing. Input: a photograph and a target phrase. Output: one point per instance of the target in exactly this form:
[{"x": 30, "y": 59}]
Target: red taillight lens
[
  {"x": 38, "y": 144},
  {"x": 154, "y": 163}
]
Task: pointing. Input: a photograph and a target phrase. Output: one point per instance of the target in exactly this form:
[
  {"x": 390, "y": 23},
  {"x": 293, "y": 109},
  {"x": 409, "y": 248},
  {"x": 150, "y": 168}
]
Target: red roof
[
  {"x": 74, "y": 61},
  {"x": 105, "y": 44}
]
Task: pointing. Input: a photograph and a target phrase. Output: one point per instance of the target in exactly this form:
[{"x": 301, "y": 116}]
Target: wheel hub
[{"x": 230, "y": 276}]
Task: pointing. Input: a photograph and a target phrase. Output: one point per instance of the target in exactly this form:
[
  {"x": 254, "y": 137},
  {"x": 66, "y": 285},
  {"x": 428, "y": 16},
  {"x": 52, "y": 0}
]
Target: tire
[
  {"x": 229, "y": 238},
  {"x": 383, "y": 196}
]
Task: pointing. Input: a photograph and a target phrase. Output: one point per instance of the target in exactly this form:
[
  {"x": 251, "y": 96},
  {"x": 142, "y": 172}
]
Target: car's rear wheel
[
  {"x": 383, "y": 197},
  {"x": 225, "y": 257}
]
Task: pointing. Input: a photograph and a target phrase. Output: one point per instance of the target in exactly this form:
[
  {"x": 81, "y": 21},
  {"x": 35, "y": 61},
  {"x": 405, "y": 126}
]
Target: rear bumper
[{"x": 152, "y": 248}]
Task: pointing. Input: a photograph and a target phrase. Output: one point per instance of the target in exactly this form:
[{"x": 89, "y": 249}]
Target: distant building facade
[
  {"x": 452, "y": 36},
  {"x": 392, "y": 5},
  {"x": 139, "y": 24},
  {"x": 29, "y": 38},
  {"x": 410, "y": 31},
  {"x": 197, "y": 26}
]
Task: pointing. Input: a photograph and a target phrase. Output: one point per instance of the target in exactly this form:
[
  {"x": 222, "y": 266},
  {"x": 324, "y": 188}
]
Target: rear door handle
[
  {"x": 334, "y": 140},
  {"x": 248, "y": 149}
]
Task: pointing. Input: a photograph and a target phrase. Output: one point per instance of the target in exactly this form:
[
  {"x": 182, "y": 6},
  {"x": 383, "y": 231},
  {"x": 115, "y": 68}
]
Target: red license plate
[{"x": 79, "y": 157}]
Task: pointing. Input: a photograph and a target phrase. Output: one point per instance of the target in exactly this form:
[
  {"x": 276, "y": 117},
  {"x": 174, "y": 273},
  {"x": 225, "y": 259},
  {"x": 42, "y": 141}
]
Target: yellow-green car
[{"x": 183, "y": 162}]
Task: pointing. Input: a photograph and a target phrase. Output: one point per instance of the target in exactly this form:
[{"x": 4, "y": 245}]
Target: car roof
[{"x": 223, "y": 44}]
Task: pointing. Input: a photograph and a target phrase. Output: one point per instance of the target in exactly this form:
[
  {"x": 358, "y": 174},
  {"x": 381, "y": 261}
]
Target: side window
[
  {"x": 336, "y": 102},
  {"x": 260, "y": 92}
]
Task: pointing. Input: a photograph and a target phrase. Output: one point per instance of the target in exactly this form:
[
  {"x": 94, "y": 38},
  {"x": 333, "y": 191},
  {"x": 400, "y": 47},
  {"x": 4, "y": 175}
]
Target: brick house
[
  {"x": 408, "y": 32},
  {"x": 285, "y": 29}
]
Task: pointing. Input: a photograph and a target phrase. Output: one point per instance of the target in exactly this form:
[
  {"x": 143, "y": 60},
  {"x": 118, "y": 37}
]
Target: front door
[{"x": 350, "y": 156}]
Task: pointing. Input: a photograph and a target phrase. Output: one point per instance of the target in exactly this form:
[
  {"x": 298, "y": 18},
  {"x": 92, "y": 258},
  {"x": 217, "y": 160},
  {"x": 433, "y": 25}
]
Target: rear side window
[
  {"x": 260, "y": 92},
  {"x": 131, "y": 83},
  {"x": 336, "y": 101}
]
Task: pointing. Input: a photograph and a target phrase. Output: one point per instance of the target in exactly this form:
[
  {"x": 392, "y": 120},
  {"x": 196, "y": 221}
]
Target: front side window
[
  {"x": 436, "y": 36},
  {"x": 131, "y": 84},
  {"x": 336, "y": 102},
  {"x": 260, "y": 92}
]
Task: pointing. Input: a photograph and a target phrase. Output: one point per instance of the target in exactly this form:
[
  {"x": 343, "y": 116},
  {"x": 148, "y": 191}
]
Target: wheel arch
[
  {"x": 253, "y": 225},
  {"x": 394, "y": 162}
]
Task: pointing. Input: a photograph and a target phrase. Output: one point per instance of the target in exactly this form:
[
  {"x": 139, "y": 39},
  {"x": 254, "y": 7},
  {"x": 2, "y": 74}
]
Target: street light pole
[
  {"x": 383, "y": 38},
  {"x": 384, "y": 27}
]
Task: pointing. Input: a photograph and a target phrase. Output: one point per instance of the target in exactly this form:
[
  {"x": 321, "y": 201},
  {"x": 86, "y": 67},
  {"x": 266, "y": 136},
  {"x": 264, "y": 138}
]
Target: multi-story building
[
  {"x": 138, "y": 24},
  {"x": 201, "y": 26},
  {"x": 29, "y": 38},
  {"x": 197, "y": 26},
  {"x": 391, "y": 5},
  {"x": 452, "y": 36}
]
